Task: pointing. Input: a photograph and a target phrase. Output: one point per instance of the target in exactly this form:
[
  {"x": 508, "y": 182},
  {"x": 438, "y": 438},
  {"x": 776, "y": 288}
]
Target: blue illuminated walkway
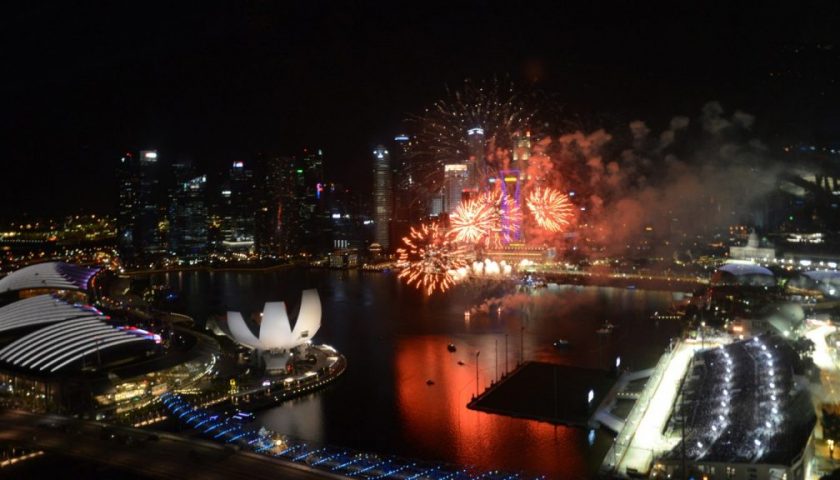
[{"x": 341, "y": 461}]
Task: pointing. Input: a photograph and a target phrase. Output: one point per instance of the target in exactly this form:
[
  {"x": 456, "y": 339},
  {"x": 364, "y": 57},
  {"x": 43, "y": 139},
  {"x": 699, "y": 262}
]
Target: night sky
[{"x": 83, "y": 82}]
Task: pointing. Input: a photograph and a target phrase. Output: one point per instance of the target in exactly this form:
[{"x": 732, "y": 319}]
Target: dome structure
[
  {"x": 49, "y": 275},
  {"x": 744, "y": 274},
  {"x": 275, "y": 331}
]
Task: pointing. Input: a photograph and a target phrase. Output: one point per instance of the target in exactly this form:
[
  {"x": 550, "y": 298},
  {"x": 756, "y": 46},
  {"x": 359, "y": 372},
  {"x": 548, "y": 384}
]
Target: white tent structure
[{"x": 275, "y": 331}]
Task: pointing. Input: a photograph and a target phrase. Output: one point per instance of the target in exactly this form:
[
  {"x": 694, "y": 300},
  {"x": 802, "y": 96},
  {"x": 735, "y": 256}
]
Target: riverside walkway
[{"x": 333, "y": 461}]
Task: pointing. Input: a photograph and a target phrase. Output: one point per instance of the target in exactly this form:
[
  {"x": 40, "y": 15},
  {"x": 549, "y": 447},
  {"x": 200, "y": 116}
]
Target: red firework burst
[
  {"x": 550, "y": 208},
  {"x": 428, "y": 259},
  {"x": 473, "y": 220}
]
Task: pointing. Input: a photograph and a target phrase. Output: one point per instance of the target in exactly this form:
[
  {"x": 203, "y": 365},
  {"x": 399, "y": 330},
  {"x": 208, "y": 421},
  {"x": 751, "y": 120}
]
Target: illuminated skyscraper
[
  {"x": 274, "y": 203},
  {"x": 129, "y": 182},
  {"x": 521, "y": 151},
  {"x": 147, "y": 235},
  {"x": 456, "y": 185},
  {"x": 383, "y": 196},
  {"x": 477, "y": 171},
  {"x": 238, "y": 208},
  {"x": 188, "y": 218}
]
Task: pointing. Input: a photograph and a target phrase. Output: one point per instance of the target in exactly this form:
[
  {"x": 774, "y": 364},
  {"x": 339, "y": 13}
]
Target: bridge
[{"x": 333, "y": 461}]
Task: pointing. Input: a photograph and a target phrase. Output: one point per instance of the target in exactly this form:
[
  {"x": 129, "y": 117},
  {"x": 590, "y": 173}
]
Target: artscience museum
[{"x": 272, "y": 337}]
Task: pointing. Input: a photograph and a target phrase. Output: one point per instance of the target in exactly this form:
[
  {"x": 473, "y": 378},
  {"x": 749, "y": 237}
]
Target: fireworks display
[
  {"x": 496, "y": 108},
  {"x": 429, "y": 260},
  {"x": 473, "y": 220},
  {"x": 478, "y": 128},
  {"x": 550, "y": 208}
]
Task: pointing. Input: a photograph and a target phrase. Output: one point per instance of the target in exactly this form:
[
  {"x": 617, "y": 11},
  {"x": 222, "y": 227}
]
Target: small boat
[
  {"x": 430, "y": 382},
  {"x": 243, "y": 417},
  {"x": 451, "y": 347},
  {"x": 460, "y": 362},
  {"x": 606, "y": 329},
  {"x": 561, "y": 344}
]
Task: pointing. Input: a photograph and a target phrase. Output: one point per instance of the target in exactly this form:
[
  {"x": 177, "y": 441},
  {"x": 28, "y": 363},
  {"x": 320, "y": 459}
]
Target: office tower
[
  {"x": 128, "y": 183},
  {"x": 383, "y": 196},
  {"x": 275, "y": 203},
  {"x": 237, "y": 208},
  {"x": 477, "y": 171},
  {"x": 188, "y": 220},
  {"x": 455, "y": 185},
  {"x": 521, "y": 151}
]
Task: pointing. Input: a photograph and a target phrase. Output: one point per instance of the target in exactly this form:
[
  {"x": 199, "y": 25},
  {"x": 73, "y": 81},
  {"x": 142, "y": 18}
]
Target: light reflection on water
[{"x": 395, "y": 340}]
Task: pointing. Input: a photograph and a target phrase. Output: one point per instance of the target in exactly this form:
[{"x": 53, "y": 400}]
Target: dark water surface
[{"x": 395, "y": 340}]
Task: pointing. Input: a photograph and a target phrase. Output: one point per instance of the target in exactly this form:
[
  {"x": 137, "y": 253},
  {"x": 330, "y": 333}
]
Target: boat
[
  {"x": 430, "y": 382},
  {"x": 242, "y": 417},
  {"x": 606, "y": 329},
  {"x": 561, "y": 344},
  {"x": 460, "y": 362},
  {"x": 451, "y": 347}
]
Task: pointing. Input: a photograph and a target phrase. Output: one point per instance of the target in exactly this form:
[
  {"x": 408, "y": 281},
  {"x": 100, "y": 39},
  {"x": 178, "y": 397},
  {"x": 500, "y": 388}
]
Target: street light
[{"x": 477, "y": 353}]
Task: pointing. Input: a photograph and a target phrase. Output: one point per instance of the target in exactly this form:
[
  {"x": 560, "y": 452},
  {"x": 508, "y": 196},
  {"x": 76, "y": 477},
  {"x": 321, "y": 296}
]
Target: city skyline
[
  {"x": 420, "y": 241},
  {"x": 275, "y": 79}
]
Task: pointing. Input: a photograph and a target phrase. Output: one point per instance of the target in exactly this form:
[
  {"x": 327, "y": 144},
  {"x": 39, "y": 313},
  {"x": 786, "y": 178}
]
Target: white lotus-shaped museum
[{"x": 275, "y": 331}]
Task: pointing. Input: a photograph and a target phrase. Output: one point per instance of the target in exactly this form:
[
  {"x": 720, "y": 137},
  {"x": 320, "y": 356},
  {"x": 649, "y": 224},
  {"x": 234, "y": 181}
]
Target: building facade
[{"x": 383, "y": 197}]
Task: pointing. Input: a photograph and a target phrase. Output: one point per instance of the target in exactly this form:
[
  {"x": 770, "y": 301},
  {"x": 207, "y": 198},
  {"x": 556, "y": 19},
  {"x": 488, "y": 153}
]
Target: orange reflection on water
[{"x": 441, "y": 426}]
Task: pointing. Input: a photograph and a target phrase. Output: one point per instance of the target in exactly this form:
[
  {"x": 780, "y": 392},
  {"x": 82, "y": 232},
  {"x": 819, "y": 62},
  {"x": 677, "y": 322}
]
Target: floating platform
[{"x": 557, "y": 394}]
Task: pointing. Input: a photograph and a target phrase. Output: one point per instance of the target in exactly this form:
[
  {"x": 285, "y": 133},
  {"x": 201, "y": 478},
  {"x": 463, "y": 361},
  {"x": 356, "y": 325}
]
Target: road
[{"x": 151, "y": 454}]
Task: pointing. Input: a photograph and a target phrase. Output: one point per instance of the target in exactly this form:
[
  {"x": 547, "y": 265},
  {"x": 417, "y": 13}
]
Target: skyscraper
[
  {"x": 128, "y": 181},
  {"x": 273, "y": 191},
  {"x": 456, "y": 185},
  {"x": 237, "y": 208},
  {"x": 477, "y": 171},
  {"x": 383, "y": 196},
  {"x": 409, "y": 203},
  {"x": 188, "y": 227},
  {"x": 147, "y": 235}
]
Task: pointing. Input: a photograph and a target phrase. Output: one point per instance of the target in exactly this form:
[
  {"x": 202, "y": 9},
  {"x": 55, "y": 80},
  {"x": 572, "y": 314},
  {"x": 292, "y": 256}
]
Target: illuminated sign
[
  {"x": 238, "y": 164},
  {"x": 401, "y": 138},
  {"x": 455, "y": 167},
  {"x": 319, "y": 187},
  {"x": 150, "y": 155}
]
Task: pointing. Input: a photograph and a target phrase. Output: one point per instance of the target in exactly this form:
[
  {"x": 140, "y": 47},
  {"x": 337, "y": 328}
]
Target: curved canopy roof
[
  {"x": 739, "y": 269},
  {"x": 53, "y": 347},
  {"x": 823, "y": 275},
  {"x": 275, "y": 331},
  {"x": 40, "y": 310},
  {"x": 54, "y": 275}
]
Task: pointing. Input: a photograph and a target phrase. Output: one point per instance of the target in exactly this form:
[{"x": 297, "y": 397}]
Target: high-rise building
[
  {"x": 237, "y": 208},
  {"x": 409, "y": 200},
  {"x": 456, "y": 185},
  {"x": 128, "y": 181},
  {"x": 188, "y": 221},
  {"x": 477, "y": 171},
  {"x": 383, "y": 196},
  {"x": 521, "y": 151},
  {"x": 274, "y": 193},
  {"x": 306, "y": 217},
  {"x": 147, "y": 236}
]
